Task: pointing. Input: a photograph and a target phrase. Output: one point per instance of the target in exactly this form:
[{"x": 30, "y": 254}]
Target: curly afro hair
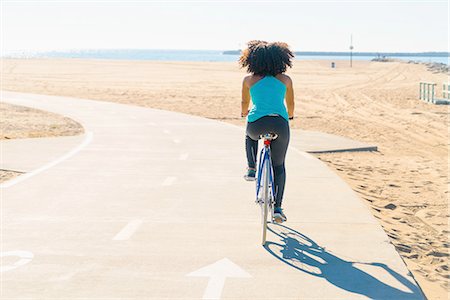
[{"x": 263, "y": 58}]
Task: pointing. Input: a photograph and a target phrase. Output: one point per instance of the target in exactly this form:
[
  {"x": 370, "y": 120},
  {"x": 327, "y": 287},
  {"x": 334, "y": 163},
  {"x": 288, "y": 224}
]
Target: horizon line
[{"x": 193, "y": 49}]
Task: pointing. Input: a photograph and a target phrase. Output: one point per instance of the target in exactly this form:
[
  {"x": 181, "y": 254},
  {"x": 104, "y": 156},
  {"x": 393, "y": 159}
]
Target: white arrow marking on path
[
  {"x": 217, "y": 273},
  {"x": 169, "y": 181},
  {"x": 128, "y": 230},
  {"x": 24, "y": 258}
]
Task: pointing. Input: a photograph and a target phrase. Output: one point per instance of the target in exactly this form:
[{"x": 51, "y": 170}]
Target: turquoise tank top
[{"x": 267, "y": 99}]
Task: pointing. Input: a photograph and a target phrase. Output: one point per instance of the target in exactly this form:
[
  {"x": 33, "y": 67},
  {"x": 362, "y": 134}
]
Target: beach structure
[
  {"x": 445, "y": 91},
  {"x": 427, "y": 92}
]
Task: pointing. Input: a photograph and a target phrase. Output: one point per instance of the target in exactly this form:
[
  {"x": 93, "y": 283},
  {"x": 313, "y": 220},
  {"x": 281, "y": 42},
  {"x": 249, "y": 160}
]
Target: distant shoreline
[
  {"x": 220, "y": 55},
  {"x": 376, "y": 54}
]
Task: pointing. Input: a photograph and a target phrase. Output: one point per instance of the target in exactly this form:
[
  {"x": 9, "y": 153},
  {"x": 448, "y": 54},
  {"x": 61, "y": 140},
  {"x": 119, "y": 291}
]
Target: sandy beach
[{"x": 405, "y": 183}]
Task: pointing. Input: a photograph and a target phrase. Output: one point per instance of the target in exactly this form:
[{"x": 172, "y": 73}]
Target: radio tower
[{"x": 351, "y": 50}]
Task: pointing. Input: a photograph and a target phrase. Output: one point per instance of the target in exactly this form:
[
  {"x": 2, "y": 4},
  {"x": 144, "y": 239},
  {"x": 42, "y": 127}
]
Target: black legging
[{"x": 270, "y": 124}]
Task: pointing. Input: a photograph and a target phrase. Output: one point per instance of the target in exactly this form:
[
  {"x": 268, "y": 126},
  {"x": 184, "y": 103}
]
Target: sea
[{"x": 186, "y": 55}]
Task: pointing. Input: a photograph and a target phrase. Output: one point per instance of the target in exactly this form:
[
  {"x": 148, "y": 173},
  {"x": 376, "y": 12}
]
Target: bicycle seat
[{"x": 269, "y": 136}]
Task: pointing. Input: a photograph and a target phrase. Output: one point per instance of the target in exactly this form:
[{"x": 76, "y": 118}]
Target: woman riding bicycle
[{"x": 267, "y": 86}]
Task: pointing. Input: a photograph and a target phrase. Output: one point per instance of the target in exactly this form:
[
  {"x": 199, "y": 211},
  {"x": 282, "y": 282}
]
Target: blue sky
[{"x": 305, "y": 25}]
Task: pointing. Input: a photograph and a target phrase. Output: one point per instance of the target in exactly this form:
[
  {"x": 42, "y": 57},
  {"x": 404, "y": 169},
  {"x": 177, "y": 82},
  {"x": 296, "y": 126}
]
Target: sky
[{"x": 379, "y": 26}]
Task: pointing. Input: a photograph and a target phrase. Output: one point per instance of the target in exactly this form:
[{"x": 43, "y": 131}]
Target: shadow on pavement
[{"x": 303, "y": 254}]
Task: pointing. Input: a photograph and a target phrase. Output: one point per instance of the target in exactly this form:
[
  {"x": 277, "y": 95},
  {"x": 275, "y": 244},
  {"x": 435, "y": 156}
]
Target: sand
[
  {"x": 404, "y": 183},
  {"x": 23, "y": 122},
  {"x": 6, "y": 175}
]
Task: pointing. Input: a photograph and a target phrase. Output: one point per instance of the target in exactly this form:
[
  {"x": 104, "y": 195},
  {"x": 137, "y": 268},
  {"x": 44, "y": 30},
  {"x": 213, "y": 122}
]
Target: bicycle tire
[
  {"x": 266, "y": 200},
  {"x": 271, "y": 189}
]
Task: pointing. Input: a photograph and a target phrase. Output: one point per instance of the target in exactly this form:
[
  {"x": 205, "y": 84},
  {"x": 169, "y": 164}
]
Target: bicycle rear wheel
[{"x": 266, "y": 199}]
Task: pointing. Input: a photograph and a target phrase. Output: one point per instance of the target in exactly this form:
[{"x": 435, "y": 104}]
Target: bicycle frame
[{"x": 265, "y": 158}]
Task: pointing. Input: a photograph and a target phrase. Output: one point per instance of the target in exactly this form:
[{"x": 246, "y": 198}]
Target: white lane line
[
  {"x": 24, "y": 258},
  {"x": 177, "y": 141},
  {"x": 183, "y": 156},
  {"x": 86, "y": 141},
  {"x": 169, "y": 181},
  {"x": 303, "y": 153},
  {"x": 128, "y": 230}
]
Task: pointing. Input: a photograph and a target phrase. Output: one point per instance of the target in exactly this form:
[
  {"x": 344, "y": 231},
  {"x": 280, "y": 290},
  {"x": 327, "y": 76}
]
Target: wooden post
[
  {"x": 446, "y": 91},
  {"x": 420, "y": 90},
  {"x": 432, "y": 92}
]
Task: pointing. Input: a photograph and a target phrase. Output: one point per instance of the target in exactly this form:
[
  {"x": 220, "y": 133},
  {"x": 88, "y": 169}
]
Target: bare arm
[
  {"x": 290, "y": 98},
  {"x": 245, "y": 98}
]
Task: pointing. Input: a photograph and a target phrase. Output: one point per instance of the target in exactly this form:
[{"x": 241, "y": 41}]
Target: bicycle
[{"x": 265, "y": 187}]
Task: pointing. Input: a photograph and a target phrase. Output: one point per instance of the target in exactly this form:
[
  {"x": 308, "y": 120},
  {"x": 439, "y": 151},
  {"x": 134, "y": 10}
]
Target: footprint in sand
[
  {"x": 403, "y": 248},
  {"x": 393, "y": 185},
  {"x": 437, "y": 254},
  {"x": 442, "y": 268},
  {"x": 390, "y": 206},
  {"x": 392, "y": 236}
]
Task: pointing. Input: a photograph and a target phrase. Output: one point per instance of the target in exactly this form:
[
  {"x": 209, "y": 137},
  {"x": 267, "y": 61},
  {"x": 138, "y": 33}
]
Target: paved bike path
[
  {"x": 26, "y": 155},
  {"x": 152, "y": 205}
]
